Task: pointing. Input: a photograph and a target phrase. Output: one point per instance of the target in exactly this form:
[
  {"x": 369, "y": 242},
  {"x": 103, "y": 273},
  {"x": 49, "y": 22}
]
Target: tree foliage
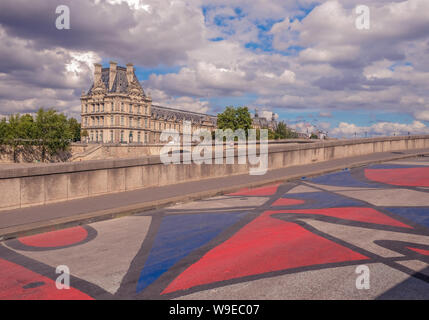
[
  {"x": 48, "y": 130},
  {"x": 283, "y": 132},
  {"x": 235, "y": 118}
]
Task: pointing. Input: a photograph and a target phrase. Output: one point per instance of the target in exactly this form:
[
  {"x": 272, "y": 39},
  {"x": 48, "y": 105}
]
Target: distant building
[
  {"x": 117, "y": 110},
  {"x": 264, "y": 123},
  {"x": 302, "y": 135}
]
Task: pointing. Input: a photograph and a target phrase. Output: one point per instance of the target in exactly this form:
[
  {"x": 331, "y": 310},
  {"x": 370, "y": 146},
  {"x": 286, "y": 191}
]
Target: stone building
[
  {"x": 264, "y": 123},
  {"x": 117, "y": 110}
]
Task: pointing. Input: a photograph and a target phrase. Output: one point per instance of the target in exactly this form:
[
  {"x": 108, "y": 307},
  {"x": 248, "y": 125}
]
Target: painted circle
[{"x": 54, "y": 239}]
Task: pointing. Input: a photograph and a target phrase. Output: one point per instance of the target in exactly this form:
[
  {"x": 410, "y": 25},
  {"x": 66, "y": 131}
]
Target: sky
[{"x": 304, "y": 60}]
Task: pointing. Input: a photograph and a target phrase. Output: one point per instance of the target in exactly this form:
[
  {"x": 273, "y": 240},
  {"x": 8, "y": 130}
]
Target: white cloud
[
  {"x": 348, "y": 130},
  {"x": 385, "y": 69},
  {"x": 185, "y": 103}
]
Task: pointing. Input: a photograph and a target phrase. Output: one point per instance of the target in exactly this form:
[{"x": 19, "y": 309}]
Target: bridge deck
[{"x": 36, "y": 219}]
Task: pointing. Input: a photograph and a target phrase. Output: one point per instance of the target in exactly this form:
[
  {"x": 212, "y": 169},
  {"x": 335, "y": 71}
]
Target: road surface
[{"x": 354, "y": 234}]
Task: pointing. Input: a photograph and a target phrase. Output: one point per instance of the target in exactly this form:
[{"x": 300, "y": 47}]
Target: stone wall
[
  {"x": 28, "y": 154},
  {"x": 35, "y": 185}
]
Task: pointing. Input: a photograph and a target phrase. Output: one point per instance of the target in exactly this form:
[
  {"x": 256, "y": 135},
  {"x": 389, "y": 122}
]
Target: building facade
[
  {"x": 264, "y": 123},
  {"x": 117, "y": 110}
]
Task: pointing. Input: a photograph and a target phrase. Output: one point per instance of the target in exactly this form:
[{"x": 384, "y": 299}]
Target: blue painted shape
[
  {"x": 178, "y": 236},
  {"x": 321, "y": 200},
  {"x": 418, "y": 215},
  {"x": 343, "y": 179}
]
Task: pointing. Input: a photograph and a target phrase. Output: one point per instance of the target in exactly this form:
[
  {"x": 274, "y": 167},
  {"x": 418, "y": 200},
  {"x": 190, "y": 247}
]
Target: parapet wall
[{"x": 42, "y": 184}]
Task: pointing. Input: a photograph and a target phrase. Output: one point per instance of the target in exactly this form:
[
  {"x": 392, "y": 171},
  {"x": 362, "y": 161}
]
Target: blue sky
[{"x": 304, "y": 60}]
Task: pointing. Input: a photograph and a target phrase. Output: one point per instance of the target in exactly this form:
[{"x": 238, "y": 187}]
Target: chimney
[
  {"x": 112, "y": 74},
  {"x": 97, "y": 72},
  {"x": 130, "y": 72}
]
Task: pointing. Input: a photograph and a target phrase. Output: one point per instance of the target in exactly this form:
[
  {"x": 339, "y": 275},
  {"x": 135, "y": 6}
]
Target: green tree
[
  {"x": 53, "y": 132},
  {"x": 4, "y": 127},
  {"x": 13, "y": 134},
  {"x": 235, "y": 118},
  {"x": 283, "y": 132},
  {"x": 85, "y": 133},
  {"x": 26, "y": 130},
  {"x": 271, "y": 135},
  {"x": 75, "y": 129}
]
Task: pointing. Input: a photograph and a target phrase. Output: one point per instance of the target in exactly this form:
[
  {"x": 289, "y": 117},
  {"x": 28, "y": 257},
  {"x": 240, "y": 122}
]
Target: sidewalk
[{"x": 25, "y": 221}]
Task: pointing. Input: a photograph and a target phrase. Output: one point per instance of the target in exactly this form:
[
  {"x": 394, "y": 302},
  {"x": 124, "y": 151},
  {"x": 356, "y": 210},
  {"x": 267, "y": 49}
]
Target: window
[
  {"x": 111, "y": 135},
  {"x": 138, "y": 137},
  {"x": 102, "y": 107},
  {"x": 131, "y": 108},
  {"x": 122, "y": 120},
  {"x": 131, "y": 121},
  {"x": 111, "y": 120},
  {"x": 138, "y": 109},
  {"x": 122, "y": 136},
  {"x": 145, "y": 122},
  {"x": 86, "y": 108},
  {"x": 101, "y": 136},
  {"x": 93, "y": 108},
  {"x": 145, "y": 110},
  {"x": 122, "y": 106}
]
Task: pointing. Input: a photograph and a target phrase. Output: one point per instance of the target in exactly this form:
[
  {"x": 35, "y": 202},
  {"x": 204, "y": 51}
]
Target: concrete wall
[
  {"x": 43, "y": 184},
  {"x": 83, "y": 151}
]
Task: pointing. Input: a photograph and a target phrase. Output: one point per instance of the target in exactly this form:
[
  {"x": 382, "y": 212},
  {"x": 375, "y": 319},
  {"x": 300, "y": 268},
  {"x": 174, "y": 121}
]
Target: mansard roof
[
  {"x": 165, "y": 113},
  {"x": 120, "y": 84},
  {"x": 264, "y": 122}
]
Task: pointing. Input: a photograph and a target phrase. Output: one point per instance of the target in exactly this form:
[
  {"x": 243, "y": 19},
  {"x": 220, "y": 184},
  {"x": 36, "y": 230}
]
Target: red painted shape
[
  {"x": 264, "y": 191},
  {"x": 413, "y": 177},
  {"x": 53, "y": 239},
  {"x": 13, "y": 279},
  {"x": 421, "y": 251},
  {"x": 262, "y": 246},
  {"x": 287, "y": 202},
  {"x": 368, "y": 215}
]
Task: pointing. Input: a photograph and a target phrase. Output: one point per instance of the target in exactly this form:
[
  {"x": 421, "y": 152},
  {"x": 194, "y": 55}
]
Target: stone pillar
[
  {"x": 97, "y": 72},
  {"x": 130, "y": 72},
  {"x": 112, "y": 74}
]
